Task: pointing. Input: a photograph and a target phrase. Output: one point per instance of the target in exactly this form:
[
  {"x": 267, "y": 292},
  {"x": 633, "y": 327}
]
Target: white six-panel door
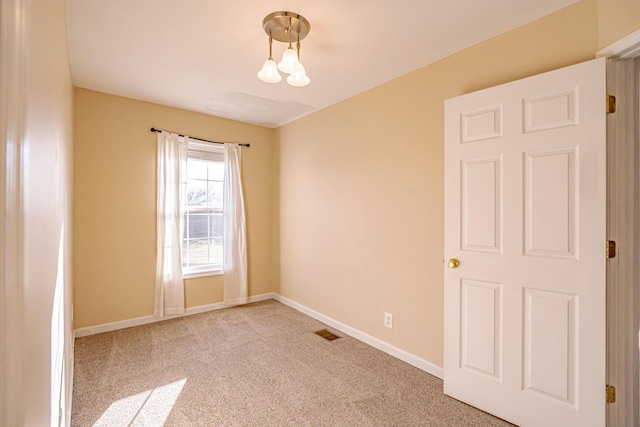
[{"x": 525, "y": 216}]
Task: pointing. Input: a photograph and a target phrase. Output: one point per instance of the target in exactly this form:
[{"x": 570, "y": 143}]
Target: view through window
[{"x": 203, "y": 220}]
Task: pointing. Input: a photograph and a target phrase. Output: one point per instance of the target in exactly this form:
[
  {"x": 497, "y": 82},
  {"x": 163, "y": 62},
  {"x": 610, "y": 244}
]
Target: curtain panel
[
  {"x": 234, "y": 241},
  {"x": 171, "y": 187}
]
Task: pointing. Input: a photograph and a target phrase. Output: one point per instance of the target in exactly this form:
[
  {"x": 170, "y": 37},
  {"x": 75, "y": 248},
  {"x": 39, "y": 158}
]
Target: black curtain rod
[{"x": 200, "y": 139}]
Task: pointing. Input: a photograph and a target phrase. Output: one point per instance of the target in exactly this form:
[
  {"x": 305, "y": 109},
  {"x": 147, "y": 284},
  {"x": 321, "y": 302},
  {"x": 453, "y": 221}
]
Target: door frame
[{"x": 623, "y": 227}]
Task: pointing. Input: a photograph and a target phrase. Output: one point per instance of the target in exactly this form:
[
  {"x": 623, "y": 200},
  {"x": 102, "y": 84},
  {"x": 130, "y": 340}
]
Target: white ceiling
[{"x": 203, "y": 55}]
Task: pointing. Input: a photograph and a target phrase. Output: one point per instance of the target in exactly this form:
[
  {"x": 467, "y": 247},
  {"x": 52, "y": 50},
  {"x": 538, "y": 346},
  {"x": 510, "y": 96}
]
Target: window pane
[
  {"x": 215, "y": 194},
  {"x": 198, "y": 252},
  {"x": 197, "y": 225},
  {"x": 216, "y": 171},
  {"x": 196, "y": 169},
  {"x": 196, "y": 193},
  {"x": 216, "y": 223},
  {"x": 215, "y": 251}
]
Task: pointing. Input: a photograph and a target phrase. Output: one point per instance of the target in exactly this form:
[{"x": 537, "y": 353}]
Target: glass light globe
[
  {"x": 299, "y": 77},
  {"x": 269, "y": 72},
  {"x": 289, "y": 61}
]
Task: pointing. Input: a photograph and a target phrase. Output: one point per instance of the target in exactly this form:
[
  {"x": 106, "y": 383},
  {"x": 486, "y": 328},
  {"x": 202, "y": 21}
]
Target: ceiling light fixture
[{"x": 286, "y": 27}]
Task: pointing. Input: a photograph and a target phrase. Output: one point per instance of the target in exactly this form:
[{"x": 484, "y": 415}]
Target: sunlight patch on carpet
[{"x": 149, "y": 408}]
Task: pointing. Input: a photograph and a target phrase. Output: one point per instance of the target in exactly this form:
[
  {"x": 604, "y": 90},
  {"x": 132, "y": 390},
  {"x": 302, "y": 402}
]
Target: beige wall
[
  {"x": 115, "y": 203},
  {"x": 617, "y": 18},
  {"x": 360, "y": 184}
]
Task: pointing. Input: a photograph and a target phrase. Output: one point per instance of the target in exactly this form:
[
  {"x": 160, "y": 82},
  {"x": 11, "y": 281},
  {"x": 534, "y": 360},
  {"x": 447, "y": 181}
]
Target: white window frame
[{"x": 209, "y": 152}]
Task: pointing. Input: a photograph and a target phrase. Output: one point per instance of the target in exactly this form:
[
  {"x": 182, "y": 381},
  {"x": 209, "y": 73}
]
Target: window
[{"x": 203, "y": 220}]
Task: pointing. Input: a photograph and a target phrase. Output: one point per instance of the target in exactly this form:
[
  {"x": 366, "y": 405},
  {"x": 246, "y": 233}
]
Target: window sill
[{"x": 195, "y": 274}]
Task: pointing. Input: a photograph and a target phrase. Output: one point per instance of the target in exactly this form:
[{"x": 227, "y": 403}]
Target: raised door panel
[
  {"x": 550, "y": 345},
  {"x": 481, "y": 204},
  {"x": 551, "y": 203},
  {"x": 481, "y": 324}
]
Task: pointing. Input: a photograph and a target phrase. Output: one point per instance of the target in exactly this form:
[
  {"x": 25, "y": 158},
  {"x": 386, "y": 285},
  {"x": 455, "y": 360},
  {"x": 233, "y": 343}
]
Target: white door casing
[
  {"x": 525, "y": 214},
  {"x": 623, "y": 289}
]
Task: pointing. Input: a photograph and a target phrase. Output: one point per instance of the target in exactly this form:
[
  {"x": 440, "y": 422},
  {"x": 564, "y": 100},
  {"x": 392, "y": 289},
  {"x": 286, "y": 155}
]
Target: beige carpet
[{"x": 255, "y": 365}]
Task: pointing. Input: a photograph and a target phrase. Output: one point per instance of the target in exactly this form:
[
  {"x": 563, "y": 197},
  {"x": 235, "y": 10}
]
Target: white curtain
[
  {"x": 235, "y": 242},
  {"x": 172, "y": 159}
]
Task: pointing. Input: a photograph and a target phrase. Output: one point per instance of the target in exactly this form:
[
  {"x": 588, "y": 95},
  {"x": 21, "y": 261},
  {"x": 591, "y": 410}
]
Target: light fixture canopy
[{"x": 286, "y": 27}]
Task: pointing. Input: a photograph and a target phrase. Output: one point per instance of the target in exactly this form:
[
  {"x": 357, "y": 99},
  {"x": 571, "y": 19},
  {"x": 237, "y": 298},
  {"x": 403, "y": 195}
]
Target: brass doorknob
[{"x": 453, "y": 263}]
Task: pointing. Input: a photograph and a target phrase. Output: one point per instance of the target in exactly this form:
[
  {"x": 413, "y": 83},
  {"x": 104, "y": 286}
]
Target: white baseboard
[
  {"x": 144, "y": 320},
  {"x": 411, "y": 359}
]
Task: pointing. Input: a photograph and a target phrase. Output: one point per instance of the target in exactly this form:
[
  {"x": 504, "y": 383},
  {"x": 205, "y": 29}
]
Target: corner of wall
[{"x": 275, "y": 227}]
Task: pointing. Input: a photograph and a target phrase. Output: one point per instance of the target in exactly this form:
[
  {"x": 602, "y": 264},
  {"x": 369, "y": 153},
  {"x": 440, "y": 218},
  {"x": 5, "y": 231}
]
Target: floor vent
[{"x": 327, "y": 335}]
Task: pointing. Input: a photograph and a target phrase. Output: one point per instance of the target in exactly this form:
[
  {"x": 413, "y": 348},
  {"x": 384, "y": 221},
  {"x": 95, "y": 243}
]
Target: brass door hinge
[
  {"x": 611, "y": 394},
  {"x": 611, "y": 249},
  {"x": 611, "y": 104}
]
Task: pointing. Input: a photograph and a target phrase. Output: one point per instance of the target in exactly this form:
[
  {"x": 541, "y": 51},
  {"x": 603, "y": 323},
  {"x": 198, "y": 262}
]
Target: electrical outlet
[{"x": 388, "y": 320}]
